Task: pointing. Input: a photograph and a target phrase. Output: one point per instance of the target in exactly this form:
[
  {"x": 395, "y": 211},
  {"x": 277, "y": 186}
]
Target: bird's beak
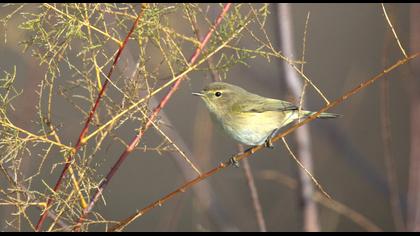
[{"x": 198, "y": 94}]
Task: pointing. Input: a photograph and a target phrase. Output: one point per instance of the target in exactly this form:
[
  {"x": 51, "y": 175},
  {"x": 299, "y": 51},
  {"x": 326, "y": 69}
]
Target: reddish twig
[
  {"x": 150, "y": 120},
  {"x": 80, "y": 140},
  {"x": 254, "y": 149}
]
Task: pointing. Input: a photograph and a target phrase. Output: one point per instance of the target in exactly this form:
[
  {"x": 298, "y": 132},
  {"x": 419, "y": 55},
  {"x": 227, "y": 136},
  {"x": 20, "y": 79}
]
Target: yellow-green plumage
[{"x": 247, "y": 117}]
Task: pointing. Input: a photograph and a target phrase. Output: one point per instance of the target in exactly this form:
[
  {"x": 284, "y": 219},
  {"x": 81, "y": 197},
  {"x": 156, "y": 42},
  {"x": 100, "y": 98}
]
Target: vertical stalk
[
  {"x": 385, "y": 119},
  {"x": 309, "y": 208}
]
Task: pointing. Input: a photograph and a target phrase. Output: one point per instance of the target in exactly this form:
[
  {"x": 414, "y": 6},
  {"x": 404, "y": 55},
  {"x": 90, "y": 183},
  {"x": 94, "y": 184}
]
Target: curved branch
[{"x": 252, "y": 150}]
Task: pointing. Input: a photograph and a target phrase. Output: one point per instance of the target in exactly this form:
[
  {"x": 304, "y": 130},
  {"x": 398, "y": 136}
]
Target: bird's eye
[{"x": 217, "y": 94}]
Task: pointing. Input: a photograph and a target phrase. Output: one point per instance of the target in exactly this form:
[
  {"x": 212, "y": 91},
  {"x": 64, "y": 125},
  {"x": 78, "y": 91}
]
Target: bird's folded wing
[{"x": 257, "y": 104}]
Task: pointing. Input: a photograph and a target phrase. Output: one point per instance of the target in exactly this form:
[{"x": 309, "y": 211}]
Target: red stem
[
  {"x": 150, "y": 121},
  {"x": 86, "y": 126}
]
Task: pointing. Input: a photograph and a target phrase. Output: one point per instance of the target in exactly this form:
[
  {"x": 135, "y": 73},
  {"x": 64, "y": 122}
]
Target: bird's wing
[{"x": 256, "y": 104}]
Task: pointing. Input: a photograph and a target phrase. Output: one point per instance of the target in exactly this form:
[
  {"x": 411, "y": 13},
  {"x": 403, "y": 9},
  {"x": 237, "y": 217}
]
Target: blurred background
[{"x": 346, "y": 44}]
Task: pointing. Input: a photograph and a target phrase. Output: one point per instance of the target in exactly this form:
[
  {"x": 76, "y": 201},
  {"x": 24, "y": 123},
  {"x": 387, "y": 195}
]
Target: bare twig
[
  {"x": 321, "y": 189},
  {"x": 302, "y": 95},
  {"x": 393, "y": 31},
  {"x": 254, "y": 149}
]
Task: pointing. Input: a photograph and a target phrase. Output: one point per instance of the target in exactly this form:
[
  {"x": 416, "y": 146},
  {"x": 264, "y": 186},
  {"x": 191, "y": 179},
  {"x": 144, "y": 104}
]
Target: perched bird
[{"x": 247, "y": 117}]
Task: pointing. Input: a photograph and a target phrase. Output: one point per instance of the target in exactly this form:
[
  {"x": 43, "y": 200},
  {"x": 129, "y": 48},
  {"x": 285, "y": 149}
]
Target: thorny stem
[
  {"x": 80, "y": 140},
  {"x": 72, "y": 173},
  {"x": 85, "y": 24},
  {"x": 252, "y": 150},
  {"x": 152, "y": 117},
  {"x": 29, "y": 197},
  {"x": 9, "y": 124}
]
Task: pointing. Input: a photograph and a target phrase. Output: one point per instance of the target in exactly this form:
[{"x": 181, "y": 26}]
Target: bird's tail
[{"x": 323, "y": 115}]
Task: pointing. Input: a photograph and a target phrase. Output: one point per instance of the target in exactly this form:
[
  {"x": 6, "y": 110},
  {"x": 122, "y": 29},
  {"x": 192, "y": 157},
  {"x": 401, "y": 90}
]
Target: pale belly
[
  {"x": 248, "y": 136},
  {"x": 254, "y": 129}
]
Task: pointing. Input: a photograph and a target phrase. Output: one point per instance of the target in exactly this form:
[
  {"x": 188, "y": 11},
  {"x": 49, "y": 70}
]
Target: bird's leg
[{"x": 268, "y": 142}]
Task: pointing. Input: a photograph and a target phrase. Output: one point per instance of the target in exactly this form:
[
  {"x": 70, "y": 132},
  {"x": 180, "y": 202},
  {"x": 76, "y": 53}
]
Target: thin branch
[
  {"x": 321, "y": 189},
  {"x": 252, "y": 150}
]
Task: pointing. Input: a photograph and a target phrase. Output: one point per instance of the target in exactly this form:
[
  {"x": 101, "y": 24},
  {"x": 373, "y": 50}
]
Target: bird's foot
[
  {"x": 233, "y": 161},
  {"x": 268, "y": 143}
]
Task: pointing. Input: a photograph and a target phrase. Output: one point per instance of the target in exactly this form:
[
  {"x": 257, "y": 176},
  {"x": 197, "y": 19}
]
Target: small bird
[{"x": 247, "y": 117}]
